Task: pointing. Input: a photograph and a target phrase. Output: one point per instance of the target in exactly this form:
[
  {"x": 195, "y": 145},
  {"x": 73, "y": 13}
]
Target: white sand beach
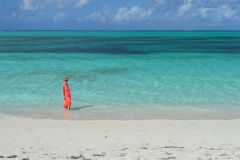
[{"x": 119, "y": 140}]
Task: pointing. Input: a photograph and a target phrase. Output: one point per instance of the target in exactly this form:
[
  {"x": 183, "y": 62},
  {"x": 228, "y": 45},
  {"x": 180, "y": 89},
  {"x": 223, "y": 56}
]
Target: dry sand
[{"x": 120, "y": 140}]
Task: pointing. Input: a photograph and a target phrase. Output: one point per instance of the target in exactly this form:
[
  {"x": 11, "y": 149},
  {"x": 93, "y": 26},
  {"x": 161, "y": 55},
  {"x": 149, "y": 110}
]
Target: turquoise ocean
[{"x": 121, "y": 74}]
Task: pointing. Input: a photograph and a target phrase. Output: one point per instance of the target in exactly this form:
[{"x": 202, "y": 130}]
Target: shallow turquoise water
[{"x": 120, "y": 70}]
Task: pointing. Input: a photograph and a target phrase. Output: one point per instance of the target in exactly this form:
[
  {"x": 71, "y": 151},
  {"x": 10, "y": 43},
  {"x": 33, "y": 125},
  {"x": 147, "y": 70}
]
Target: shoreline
[
  {"x": 119, "y": 139},
  {"x": 117, "y": 113}
]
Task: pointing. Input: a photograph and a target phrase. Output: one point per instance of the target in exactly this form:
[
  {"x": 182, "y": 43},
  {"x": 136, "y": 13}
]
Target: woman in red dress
[{"x": 66, "y": 94}]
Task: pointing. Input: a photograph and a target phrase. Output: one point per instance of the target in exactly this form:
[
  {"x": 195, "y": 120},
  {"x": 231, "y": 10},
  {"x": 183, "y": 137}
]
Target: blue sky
[{"x": 120, "y": 14}]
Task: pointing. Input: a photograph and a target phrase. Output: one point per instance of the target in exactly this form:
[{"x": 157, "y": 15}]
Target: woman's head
[{"x": 65, "y": 79}]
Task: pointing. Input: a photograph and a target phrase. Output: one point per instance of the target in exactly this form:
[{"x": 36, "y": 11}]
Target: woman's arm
[{"x": 63, "y": 91}]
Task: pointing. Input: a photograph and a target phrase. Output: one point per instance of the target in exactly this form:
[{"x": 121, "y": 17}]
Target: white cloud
[
  {"x": 185, "y": 7},
  {"x": 97, "y": 16},
  {"x": 28, "y": 5},
  {"x": 217, "y": 14},
  {"x": 226, "y": 12},
  {"x": 57, "y": 3},
  {"x": 101, "y": 16},
  {"x": 42, "y": 4},
  {"x": 159, "y": 2},
  {"x": 81, "y": 3},
  {"x": 207, "y": 10},
  {"x": 203, "y": 12},
  {"x": 134, "y": 13},
  {"x": 59, "y": 16}
]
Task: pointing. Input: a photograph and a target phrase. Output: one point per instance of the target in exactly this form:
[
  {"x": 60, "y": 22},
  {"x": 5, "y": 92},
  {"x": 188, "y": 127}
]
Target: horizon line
[{"x": 187, "y": 30}]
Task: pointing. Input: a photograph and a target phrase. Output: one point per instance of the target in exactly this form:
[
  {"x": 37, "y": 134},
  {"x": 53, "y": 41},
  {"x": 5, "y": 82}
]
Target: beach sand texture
[{"x": 120, "y": 140}]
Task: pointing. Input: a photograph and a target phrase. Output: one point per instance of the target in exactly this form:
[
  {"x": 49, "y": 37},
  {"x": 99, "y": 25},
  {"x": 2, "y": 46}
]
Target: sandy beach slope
[{"x": 119, "y": 140}]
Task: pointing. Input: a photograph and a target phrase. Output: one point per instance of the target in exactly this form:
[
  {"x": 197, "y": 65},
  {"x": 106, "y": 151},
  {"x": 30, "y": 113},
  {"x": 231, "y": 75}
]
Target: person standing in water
[{"x": 66, "y": 94}]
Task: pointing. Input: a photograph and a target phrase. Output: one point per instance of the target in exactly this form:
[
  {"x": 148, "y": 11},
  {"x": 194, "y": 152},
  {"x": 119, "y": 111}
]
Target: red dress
[{"x": 67, "y": 96}]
